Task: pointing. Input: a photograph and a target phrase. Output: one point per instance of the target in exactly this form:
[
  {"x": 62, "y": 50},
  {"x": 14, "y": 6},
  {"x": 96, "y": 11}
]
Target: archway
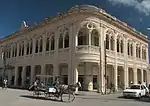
[
  {"x": 139, "y": 78},
  {"x": 83, "y": 38},
  {"x": 63, "y": 72},
  {"x": 144, "y": 76},
  {"x": 120, "y": 77},
  {"x": 130, "y": 76}
]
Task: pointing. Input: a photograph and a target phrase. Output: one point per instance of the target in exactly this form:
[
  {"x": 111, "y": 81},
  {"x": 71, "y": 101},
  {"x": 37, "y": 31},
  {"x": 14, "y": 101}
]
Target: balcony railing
[
  {"x": 88, "y": 49},
  {"x": 110, "y": 53}
]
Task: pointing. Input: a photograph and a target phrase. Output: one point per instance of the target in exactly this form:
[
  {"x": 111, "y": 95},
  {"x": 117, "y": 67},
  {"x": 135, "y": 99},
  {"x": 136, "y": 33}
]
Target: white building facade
[{"x": 85, "y": 44}]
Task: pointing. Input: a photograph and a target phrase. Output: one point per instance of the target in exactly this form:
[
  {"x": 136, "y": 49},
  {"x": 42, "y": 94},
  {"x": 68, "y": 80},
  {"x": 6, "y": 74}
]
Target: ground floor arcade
[{"x": 89, "y": 74}]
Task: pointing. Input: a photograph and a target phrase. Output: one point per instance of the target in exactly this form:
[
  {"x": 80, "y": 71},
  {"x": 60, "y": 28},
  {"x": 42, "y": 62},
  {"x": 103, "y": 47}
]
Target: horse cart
[{"x": 49, "y": 87}]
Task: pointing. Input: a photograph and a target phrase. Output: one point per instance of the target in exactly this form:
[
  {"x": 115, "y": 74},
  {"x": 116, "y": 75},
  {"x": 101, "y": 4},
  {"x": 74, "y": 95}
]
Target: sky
[{"x": 12, "y": 12}]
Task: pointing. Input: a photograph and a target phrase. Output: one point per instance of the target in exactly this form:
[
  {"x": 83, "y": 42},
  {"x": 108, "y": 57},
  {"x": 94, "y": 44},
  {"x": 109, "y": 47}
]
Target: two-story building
[{"x": 85, "y": 44}]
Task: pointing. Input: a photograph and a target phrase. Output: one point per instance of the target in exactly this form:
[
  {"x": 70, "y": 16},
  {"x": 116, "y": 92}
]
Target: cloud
[{"x": 142, "y": 6}]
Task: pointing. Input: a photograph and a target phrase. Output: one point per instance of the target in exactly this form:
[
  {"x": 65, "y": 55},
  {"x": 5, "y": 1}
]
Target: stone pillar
[
  {"x": 25, "y": 47},
  {"x": 23, "y": 75},
  {"x": 56, "y": 70},
  {"x": 44, "y": 44},
  {"x": 16, "y": 76},
  {"x": 89, "y": 38},
  {"x": 33, "y": 46},
  {"x": 116, "y": 77},
  {"x": 99, "y": 78},
  {"x": 32, "y": 72},
  {"x": 126, "y": 77},
  {"x": 135, "y": 75}
]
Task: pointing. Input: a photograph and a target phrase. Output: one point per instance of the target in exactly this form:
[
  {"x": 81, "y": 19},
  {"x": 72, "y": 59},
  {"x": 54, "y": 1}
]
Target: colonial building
[{"x": 85, "y": 44}]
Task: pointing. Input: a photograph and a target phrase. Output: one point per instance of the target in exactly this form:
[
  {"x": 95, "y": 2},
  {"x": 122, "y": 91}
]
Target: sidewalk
[{"x": 94, "y": 93}]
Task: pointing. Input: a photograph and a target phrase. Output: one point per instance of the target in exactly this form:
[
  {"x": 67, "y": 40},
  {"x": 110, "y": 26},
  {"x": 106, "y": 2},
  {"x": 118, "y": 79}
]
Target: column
[
  {"x": 23, "y": 75},
  {"x": 99, "y": 78},
  {"x": 33, "y": 46},
  {"x": 32, "y": 74},
  {"x": 43, "y": 73},
  {"x": 135, "y": 74},
  {"x": 16, "y": 76},
  {"x": 25, "y": 47},
  {"x": 134, "y": 50},
  {"x": 116, "y": 77},
  {"x": 44, "y": 44},
  {"x": 147, "y": 55},
  {"x": 126, "y": 77},
  {"x": 56, "y": 70},
  {"x": 89, "y": 38},
  {"x": 102, "y": 59}
]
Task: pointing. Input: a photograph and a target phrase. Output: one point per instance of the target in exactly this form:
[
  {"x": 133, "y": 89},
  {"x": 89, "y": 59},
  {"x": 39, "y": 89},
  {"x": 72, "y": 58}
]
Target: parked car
[{"x": 136, "y": 90}]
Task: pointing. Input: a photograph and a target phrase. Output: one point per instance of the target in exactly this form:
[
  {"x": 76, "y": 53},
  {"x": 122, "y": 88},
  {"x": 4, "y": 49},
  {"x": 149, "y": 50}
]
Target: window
[
  {"x": 112, "y": 43},
  {"x": 41, "y": 45},
  {"x": 36, "y": 47},
  {"x": 107, "y": 41},
  {"x": 47, "y": 44},
  {"x": 67, "y": 40},
  {"x": 128, "y": 49},
  {"x": 52, "y": 43},
  {"x": 27, "y": 52},
  {"x": 82, "y": 37},
  {"x": 95, "y": 38},
  {"x": 139, "y": 52},
  {"x": 22, "y": 49},
  {"x": 131, "y": 50},
  {"x": 60, "y": 41},
  {"x": 31, "y": 44},
  {"x": 16, "y": 51},
  {"x": 136, "y": 51},
  {"x": 117, "y": 45},
  {"x": 121, "y": 46}
]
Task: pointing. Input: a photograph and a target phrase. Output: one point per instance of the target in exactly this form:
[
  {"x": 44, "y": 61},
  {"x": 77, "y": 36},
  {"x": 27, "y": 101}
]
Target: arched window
[
  {"x": 128, "y": 48},
  {"x": 94, "y": 38},
  {"x": 27, "y": 52},
  {"x": 117, "y": 45},
  {"x": 137, "y": 51},
  {"x": 22, "y": 49},
  {"x": 41, "y": 45},
  {"x": 107, "y": 41},
  {"x": 66, "y": 40},
  {"x": 131, "y": 48},
  {"x": 60, "y": 41},
  {"x": 31, "y": 44},
  {"x": 47, "y": 44},
  {"x": 112, "y": 43},
  {"x": 52, "y": 43},
  {"x": 83, "y": 37},
  {"x": 142, "y": 53},
  {"x": 121, "y": 46},
  {"x": 36, "y": 47}
]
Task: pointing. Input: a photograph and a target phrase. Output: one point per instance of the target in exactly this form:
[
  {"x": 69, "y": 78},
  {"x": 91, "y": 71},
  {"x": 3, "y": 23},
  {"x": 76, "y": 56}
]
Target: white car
[{"x": 136, "y": 90}]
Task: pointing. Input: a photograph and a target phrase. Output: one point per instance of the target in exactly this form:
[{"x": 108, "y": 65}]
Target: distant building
[{"x": 72, "y": 45}]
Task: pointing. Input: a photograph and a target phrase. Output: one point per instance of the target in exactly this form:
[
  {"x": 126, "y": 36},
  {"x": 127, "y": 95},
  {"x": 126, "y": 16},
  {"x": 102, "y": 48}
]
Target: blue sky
[{"x": 12, "y": 12}]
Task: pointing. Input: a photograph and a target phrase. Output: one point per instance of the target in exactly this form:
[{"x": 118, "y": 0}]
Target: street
[{"x": 14, "y": 97}]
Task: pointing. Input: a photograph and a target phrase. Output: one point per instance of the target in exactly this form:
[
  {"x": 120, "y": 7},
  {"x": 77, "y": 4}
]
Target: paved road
[{"x": 13, "y": 97}]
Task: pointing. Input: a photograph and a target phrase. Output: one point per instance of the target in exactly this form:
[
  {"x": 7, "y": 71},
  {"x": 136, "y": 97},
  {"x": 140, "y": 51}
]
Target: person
[
  {"x": 5, "y": 83},
  {"x": 56, "y": 84}
]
